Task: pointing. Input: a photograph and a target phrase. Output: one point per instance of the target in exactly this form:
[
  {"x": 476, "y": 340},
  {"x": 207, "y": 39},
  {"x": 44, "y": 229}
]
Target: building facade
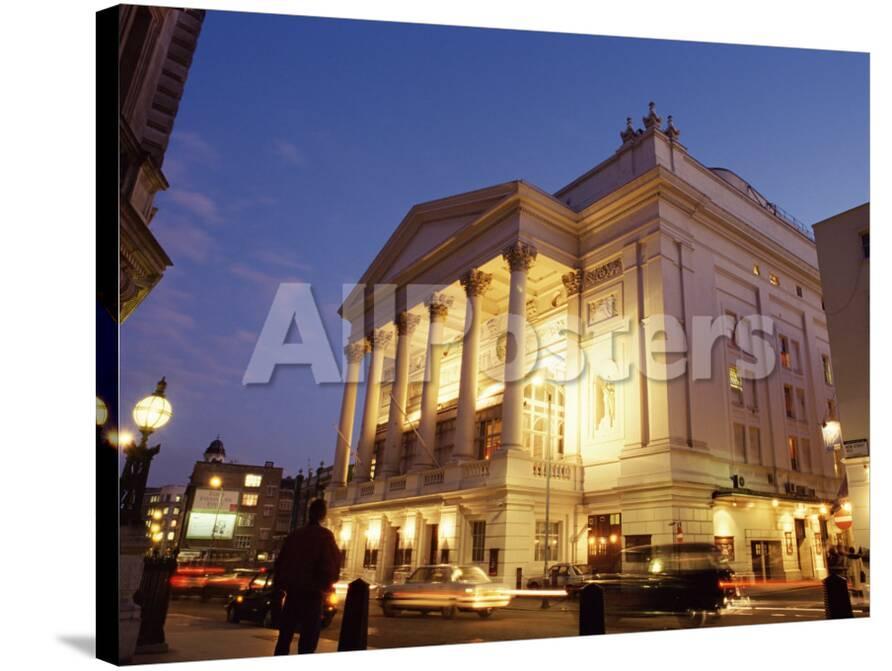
[
  {"x": 231, "y": 509},
  {"x": 163, "y": 510},
  {"x": 844, "y": 255},
  {"x": 154, "y": 56},
  {"x": 553, "y": 377}
]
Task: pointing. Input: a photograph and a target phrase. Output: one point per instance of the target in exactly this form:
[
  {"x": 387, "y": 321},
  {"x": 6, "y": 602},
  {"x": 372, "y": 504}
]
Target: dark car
[
  {"x": 255, "y": 603},
  {"x": 691, "y": 581}
]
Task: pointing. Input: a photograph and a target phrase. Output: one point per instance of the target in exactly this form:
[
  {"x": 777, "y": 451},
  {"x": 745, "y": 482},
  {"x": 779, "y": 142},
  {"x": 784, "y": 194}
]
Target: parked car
[
  {"x": 255, "y": 603},
  {"x": 444, "y": 588},
  {"x": 561, "y": 576},
  {"x": 692, "y": 581}
]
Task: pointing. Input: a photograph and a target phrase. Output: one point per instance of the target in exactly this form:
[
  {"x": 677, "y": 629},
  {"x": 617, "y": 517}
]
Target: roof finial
[
  {"x": 652, "y": 120},
  {"x": 629, "y": 133},
  {"x": 671, "y": 130}
]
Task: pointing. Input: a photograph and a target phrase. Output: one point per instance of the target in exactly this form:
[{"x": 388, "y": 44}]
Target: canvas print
[{"x": 411, "y": 335}]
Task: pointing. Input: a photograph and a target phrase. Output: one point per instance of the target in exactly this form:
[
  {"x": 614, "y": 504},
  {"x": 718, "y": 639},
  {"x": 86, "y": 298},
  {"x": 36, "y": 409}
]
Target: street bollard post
[
  {"x": 355, "y": 623},
  {"x": 837, "y": 604},
  {"x": 591, "y": 610},
  {"x": 153, "y": 597}
]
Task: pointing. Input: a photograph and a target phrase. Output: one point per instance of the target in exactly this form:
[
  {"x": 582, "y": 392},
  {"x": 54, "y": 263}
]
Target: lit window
[
  {"x": 828, "y": 371},
  {"x": 170, "y": 535},
  {"x": 793, "y": 448},
  {"x": 245, "y": 520},
  {"x": 756, "y": 270},
  {"x": 785, "y": 352},
  {"x": 547, "y": 544},
  {"x": 736, "y": 384},
  {"x": 249, "y": 499},
  {"x": 243, "y": 542},
  {"x": 177, "y": 498},
  {"x": 478, "y": 540},
  {"x": 773, "y": 279},
  {"x": 253, "y": 480},
  {"x": 173, "y": 523},
  {"x": 176, "y": 511}
]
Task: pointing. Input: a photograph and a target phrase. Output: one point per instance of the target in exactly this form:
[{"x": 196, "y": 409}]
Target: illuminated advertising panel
[
  {"x": 214, "y": 500},
  {"x": 210, "y": 526}
]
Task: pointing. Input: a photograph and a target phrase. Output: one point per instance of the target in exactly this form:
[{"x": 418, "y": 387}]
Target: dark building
[
  {"x": 306, "y": 488},
  {"x": 154, "y": 56}
]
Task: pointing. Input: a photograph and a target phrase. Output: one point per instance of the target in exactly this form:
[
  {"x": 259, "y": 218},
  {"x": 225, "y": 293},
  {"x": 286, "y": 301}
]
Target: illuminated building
[
  {"x": 163, "y": 507},
  {"x": 450, "y": 436}
]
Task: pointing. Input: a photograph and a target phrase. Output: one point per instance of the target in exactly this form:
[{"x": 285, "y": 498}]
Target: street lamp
[
  {"x": 216, "y": 482},
  {"x": 150, "y": 414}
]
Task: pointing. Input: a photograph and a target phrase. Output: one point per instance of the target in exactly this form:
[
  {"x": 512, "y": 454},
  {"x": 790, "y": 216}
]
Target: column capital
[
  {"x": 406, "y": 323},
  {"x": 520, "y": 256},
  {"x": 379, "y": 339},
  {"x": 475, "y": 282},
  {"x": 438, "y": 306},
  {"x": 573, "y": 282},
  {"x": 356, "y": 350}
]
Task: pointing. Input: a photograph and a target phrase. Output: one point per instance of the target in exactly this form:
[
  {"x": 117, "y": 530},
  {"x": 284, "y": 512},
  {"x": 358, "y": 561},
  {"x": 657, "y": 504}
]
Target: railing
[
  {"x": 559, "y": 470},
  {"x": 340, "y": 494},
  {"x": 367, "y": 490},
  {"x": 397, "y": 484},
  {"x": 433, "y": 477},
  {"x": 475, "y": 469}
]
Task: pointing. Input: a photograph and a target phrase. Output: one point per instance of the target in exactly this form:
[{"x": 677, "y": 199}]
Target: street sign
[
  {"x": 852, "y": 449},
  {"x": 843, "y": 520}
]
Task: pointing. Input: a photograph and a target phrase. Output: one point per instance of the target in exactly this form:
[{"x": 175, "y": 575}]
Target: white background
[{"x": 47, "y": 289}]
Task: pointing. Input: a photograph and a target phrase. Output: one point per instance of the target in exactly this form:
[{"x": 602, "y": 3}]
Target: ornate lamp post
[{"x": 150, "y": 414}]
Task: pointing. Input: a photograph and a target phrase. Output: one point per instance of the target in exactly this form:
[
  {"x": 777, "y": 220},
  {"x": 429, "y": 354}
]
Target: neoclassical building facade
[{"x": 506, "y": 402}]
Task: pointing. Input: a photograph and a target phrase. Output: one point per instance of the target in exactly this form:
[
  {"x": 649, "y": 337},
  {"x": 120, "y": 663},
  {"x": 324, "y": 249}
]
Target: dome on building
[{"x": 215, "y": 451}]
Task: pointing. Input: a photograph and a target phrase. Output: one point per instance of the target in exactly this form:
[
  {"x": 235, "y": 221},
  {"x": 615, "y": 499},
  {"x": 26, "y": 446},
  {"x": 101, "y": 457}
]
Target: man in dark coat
[{"x": 305, "y": 570}]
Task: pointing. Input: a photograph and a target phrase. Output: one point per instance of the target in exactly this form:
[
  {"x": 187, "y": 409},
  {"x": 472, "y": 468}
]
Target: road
[{"x": 198, "y": 630}]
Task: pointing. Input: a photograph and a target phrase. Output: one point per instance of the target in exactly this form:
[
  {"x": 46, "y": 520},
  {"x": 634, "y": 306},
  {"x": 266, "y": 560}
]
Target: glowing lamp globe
[
  {"x": 154, "y": 411},
  {"x": 101, "y": 412}
]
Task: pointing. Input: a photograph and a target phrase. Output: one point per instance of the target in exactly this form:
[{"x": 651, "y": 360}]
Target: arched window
[{"x": 536, "y": 432}]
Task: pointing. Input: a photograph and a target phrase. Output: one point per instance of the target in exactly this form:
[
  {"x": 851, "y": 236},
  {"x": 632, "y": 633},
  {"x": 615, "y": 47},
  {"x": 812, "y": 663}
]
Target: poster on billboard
[
  {"x": 215, "y": 500},
  {"x": 210, "y": 526}
]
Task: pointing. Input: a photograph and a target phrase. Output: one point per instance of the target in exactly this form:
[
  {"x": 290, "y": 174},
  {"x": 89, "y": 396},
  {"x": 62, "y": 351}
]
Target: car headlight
[
  {"x": 333, "y": 599},
  {"x": 239, "y": 598}
]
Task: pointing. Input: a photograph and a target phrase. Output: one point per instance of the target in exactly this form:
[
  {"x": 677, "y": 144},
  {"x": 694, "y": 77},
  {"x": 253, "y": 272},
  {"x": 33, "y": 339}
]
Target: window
[
  {"x": 754, "y": 394},
  {"x": 828, "y": 371},
  {"x": 171, "y": 535},
  {"x": 176, "y": 511},
  {"x": 546, "y": 545},
  {"x": 489, "y": 438},
  {"x": 756, "y": 270},
  {"x": 478, "y": 540},
  {"x": 154, "y": 498},
  {"x": 794, "y": 356},
  {"x": 535, "y": 419},
  {"x": 785, "y": 351},
  {"x": 285, "y": 505},
  {"x": 865, "y": 244},
  {"x": 272, "y": 490},
  {"x": 377, "y": 458},
  {"x": 443, "y": 441},
  {"x": 725, "y": 545},
  {"x": 173, "y": 523},
  {"x": 407, "y": 451},
  {"x": 773, "y": 279},
  {"x": 793, "y": 449},
  {"x": 799, "y": 291},
  {"x": 800, "y": 404},
  {"x": 805, "y": 454},
  {"x": 740, "y": 443},
  {"x": 831, "y": 409},
  {"x": 243, "y": 542},
  {"x": 754, "y": 454},
  {"x": 268, "y": 510},
  {"x": 177, "y": 498},
  {"x": 165, "y": 511},
  {"x": 249, "y": 499},
  {"x": 370, "y": 558},
  {"x": 264, "y": 534},
  {"x": 788, "y": 401},
  {"x": 733, "y": 319},
  {"x": 736, "y": 384},
  {"x": 253, "y": 480},
  {"x": 245, "y": 520}
]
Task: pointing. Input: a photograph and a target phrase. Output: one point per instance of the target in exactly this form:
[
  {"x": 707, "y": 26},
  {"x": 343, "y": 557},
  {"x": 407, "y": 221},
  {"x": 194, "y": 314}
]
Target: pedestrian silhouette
[{"x": 305, "y": 570}]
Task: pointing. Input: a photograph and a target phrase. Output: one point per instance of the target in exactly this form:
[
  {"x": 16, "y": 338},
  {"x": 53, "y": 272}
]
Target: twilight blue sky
[{"x": 301, "y": 143}]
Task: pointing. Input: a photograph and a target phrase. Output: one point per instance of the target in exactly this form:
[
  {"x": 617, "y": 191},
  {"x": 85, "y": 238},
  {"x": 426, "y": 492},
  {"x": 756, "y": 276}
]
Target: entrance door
[
  {"x": 604, "y": 534},
  {"x": 768, "y": 560},
  {"x": 433, "y": 537},
  {"x": 799, "y": 526}
]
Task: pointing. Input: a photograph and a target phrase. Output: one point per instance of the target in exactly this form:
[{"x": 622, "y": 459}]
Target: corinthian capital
[
  {"x": 573, "y": 282},
  {"x": 520, "y": 256},
  {"x": 438, "y": 306},
  {"x": 380, "y": 339},
  {"x": 406, "y": 323},
  {"x": 475, "y": 282},
  {"x": 356, "y": 350}
]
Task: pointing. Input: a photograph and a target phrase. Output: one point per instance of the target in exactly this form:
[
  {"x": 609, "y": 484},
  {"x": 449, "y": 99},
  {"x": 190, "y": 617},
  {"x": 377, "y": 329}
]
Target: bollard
[
  {"x": 591, "y": 610},
  {"x": 153, "y": 596},
  {"x": 518, "y": 579},
  {"x": 355, "y": 623},
  {"x": 837, "y": 604}
]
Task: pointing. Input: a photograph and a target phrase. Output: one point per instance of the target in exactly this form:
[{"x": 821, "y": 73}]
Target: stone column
[
  {"x": 475, "y": 283},
  {"x": 574, "y": 376},
  {"x": 438, "y": 307},
  {"x": 520, "y": 257},
  {"x": 405, "y": 325},
  {"x": 377, "y": 344},
  {"x": 355, "y": 352}
]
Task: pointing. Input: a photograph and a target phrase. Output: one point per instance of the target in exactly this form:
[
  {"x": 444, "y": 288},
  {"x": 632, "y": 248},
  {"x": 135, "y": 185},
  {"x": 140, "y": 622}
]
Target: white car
[{"x": 445, "y": 588}]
